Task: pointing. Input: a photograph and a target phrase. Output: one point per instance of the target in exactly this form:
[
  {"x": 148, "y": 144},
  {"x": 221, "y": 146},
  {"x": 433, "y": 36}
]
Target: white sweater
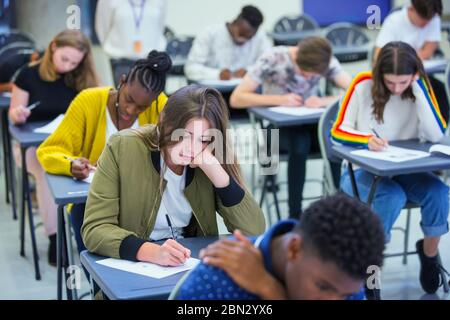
[
  {"x": 403, "y": 119},
  {"x": 214, "y": 50},
  {"x": 115, "y": 24}
]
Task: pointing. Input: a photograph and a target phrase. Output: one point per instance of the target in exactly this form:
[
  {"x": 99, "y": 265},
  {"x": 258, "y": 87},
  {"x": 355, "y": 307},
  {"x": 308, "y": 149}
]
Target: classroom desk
[
  {"x": 279, "y": 120},
  {"x": 292, "y": 38},
  {"x": 223, "y": 86},
  {"x": 122, "y": 285},
  {"x": 351, "y": 53},
  {"x": 26, "y": 138},
  {"x": 381, "y": 168},
  {"x": 434, "y": 66},
  {"x": 7, "y": 154},
  {"x": 65, "y": 190}
]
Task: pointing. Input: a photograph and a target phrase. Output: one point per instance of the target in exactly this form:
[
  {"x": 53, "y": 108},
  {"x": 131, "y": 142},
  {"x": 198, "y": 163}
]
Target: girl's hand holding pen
[
  {"x": 376, "y": 143},
  {"x": 80, "y": 168}
]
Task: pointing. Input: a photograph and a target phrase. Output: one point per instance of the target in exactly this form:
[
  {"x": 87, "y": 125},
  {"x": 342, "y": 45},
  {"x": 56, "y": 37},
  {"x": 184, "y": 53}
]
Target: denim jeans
[{"x": 391, "y": 195}]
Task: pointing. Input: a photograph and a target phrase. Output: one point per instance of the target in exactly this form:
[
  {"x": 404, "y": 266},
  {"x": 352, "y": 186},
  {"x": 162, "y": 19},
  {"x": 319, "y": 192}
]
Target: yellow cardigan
[{"x": 82, "y": 133}]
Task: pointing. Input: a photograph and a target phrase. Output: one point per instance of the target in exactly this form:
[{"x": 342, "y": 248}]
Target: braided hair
[{"x": 151, "y": 71}]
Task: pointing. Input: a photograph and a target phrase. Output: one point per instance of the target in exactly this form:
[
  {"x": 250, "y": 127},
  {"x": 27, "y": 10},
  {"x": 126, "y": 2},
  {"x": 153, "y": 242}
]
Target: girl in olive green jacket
[{"x": 168, "y": 181}]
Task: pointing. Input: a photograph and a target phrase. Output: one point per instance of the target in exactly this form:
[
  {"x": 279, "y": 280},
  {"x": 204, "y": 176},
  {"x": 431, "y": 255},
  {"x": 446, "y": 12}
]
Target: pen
[
  {"x": 34, "y": 105},
  {"x": 376, "y": 133},
  {"x": 170, "y": 226}
]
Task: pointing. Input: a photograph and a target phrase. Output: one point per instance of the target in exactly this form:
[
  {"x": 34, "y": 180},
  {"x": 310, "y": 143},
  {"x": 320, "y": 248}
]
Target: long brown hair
[
  {"x": 396, "y": 58},
  {"x": 188, "y": 103},
  {"x": 84, "y": 75}
]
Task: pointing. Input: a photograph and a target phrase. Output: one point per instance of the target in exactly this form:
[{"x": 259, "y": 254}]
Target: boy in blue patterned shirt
[{"x": 324, "y": 256}]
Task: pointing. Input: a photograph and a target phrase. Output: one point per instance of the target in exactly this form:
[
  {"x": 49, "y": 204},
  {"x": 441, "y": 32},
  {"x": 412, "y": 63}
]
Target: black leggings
[{"x": 299, "y": 142}]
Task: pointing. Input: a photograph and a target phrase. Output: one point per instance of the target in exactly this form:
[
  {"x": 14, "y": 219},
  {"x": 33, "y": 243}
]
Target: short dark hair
[
  {"x": 344, "y": 231},
  {"x": 252, "y": 15},
  {"x": 314, "y": 55},
  {"x": 427, "y": 8}
]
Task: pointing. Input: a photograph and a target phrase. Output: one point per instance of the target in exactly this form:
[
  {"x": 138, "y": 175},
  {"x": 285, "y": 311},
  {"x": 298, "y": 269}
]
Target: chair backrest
[
  {"x": 345, "y": 38},
  {"x": 324, "y": 134},
  {"x": 343, "y": 34},
  {"x": 175, "y": 291},
  {"x": 12, "y": 57},
  {"x": 179, "y": 47},
  {"x": 168, "y": 33},
  {"x": 13, "y": 36},
  {"x": 296, "y": 23}
]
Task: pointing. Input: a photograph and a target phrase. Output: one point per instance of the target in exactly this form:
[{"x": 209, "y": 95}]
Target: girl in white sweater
[{"x": 397, "y": 102}]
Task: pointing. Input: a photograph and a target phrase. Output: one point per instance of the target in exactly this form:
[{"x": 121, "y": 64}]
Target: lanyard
[{"x": 137, "y": 17}]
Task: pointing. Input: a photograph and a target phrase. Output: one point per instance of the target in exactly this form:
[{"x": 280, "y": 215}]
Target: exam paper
[
  {"x": 297, "y": 111},
  {"x": 392, "y": 154},
  {"x": 89, "y": 179},
  {"x": 148, "y": 269},
  {"x": 50, "y": 127}
]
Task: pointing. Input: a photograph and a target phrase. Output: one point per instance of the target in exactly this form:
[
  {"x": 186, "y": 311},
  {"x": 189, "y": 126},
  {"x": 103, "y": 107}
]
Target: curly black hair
[
  {"x": 344, "y": 231},
  {"x": 252, "y": 15},
  {"x": 427, "y": 8},
  {"x": 151, "y": 71}
]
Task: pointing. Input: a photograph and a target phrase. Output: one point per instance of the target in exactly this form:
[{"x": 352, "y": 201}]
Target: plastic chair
[
  {"x": 291, "y": 30},
  {"x": 303, "y": 22},
  {"x": 15, "y": 36},
  {"x": 176, "y": 290},
  {"x": 325, "y": 124},
  {"x": 178, "y": 49},
  {"x": 349, "y": 42}
]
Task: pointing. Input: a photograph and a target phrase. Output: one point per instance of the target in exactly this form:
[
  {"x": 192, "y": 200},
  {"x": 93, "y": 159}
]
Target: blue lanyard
[{"x": 138, "y": 16}]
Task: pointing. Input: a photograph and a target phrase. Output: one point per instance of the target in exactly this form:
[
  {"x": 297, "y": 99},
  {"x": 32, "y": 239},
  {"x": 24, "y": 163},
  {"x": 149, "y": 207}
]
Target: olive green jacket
[{"x": 124, "y": 199}]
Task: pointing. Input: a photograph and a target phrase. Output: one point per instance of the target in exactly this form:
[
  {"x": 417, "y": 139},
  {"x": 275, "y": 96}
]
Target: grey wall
[{"x": 43, "y": 19}]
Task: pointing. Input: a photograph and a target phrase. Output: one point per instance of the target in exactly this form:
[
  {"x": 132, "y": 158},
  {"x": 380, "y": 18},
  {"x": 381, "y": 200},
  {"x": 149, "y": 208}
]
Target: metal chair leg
[{"x": 406, "y": 238}]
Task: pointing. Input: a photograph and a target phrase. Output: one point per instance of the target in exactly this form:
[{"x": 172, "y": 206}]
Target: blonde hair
[{"x": 84, "y": 75}]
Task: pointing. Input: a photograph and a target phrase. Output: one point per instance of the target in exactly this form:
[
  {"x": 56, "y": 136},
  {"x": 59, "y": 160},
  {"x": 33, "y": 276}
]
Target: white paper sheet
[
  {"x": 219, "y": 83},
  {"x": 89, "y": 179},
  {"x": 148, "y": 269},
  {"x": 392, "y": 154},
  {"x": 297, "y": 111},
  {"x": 50, "y": 127}
]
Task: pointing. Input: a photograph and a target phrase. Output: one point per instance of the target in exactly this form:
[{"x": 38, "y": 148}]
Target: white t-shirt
[
  {"x": 121, "y": 23},
  {"x": 174, "y": 204},
  {"x": 111, "y": 127},
  {"x": 398, "y": 27},
  {"x": 214, "y": 50}
]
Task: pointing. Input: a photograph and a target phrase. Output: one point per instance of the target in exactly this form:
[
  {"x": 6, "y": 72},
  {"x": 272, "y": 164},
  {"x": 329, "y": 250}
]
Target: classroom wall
[
  {"x": 43, "y": 19},
  {"x": 209, "y": 12}
]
